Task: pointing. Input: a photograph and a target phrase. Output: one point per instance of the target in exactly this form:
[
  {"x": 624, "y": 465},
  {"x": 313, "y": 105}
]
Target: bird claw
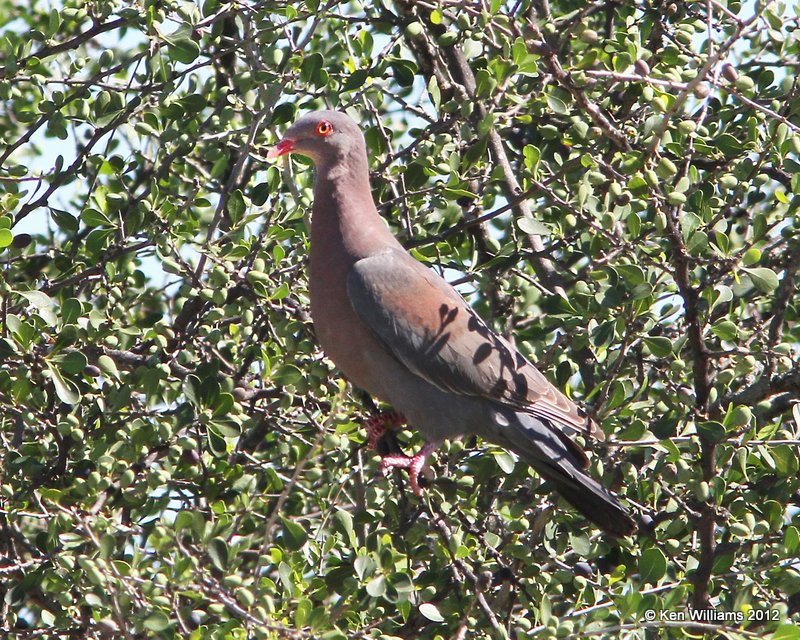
[
  {"x": 416, "y": 465},
  {"x": 377, "y": 426}
]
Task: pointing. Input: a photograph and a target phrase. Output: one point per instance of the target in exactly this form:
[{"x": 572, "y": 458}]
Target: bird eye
[{"x": 324, "y": 128}]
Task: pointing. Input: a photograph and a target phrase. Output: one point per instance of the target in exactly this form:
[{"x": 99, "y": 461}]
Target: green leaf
[
  {"x": 223, "y": 405},
  {"x": 712, "y": 431},
  {"x": 364, "y": 567},
  {"x": 95, "y": 218},
  {"x": 65, "y": 221},
  {"x": 216, "y": 443},
  {"x": 190, "y": 386},
  {"x": 652, "y": 565},
  {"x": 431, "y": 612},
  {"x": 108, "y": 366},
  {"x": 723, "y": 294},
  {"x": 287, "y": 374},
  {"x": 751, "y": 256},
  {"x": 156, "y": 622},
  {"x": 218, "y": 552},
  {"x": 545, "y": 610},
  {"x": 659, "y": 346},
  {"x": 377, "y": 586},
  {"x": 65, "y": 390},
  {"x": 633, "y": 274},
  {"x": 557, "y": 105},
  {"x": 683, "y": 185},
  {"x": 434, "y": 92},
  {"x": 281, "y": 292},
  {"x": 99, "y": 195},
  {"x": 786, "y": 632},
  {"x": 634, "y": 225},
  {"x": 302, "y": 612},
  {"x": 725, "y": 330},
  {"x": 294, "y": 534},
  {"x": 356, "y": 80},
  {"x": 791, "y": 540},
  {"x": 7, "y": 348},
  {"x": 225, "y": 428},
  {"x": 532, "y": 157},
  {"x": 533, "y": 226},
  {"x": 182, "y": 47},
  {"x": 477, "y": 152},
  {"x": 283, "y": 113},
  {"x": 345, "y": 523},
  {"x": 764, "y": 279},
  {"x": 454, "y": 193},
  {"x": 519, "y": 51},
  {"x": 6, "y": 238},
  {"x": 689, "y": 224},
  {"x": 485, "y": 86},
  {"x": 71, "y": 310},
  {"x": 72, "y": 362},
  {"x": 38, "y": 299},
  {"x": 236, "y": 206},
  {"x": 581, "y": 545},
  {"x": 504, "y": 460},
  {"x": 401, "y": 582},
  {"x": 729, "y": 145}
]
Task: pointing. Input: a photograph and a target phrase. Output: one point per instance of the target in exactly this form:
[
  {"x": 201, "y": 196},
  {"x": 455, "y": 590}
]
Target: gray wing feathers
[{"x": 428, "y": 327}]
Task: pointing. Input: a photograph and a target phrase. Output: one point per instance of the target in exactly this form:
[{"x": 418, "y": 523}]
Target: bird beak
[{"x": 281, "y": 149}]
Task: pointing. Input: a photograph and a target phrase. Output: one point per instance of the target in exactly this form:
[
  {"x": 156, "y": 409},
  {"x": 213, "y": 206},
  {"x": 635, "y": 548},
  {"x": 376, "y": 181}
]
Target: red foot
[
  {"x": 377, "y": 425},
  {"x": 415, "y": 465}
]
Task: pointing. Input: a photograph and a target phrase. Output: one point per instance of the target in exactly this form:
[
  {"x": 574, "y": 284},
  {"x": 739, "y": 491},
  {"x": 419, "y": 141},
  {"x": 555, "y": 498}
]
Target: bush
[{"x": 614, "y": 185}]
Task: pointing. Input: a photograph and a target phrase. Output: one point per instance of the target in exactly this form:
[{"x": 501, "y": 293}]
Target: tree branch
[{"x": 457, "y": 67}]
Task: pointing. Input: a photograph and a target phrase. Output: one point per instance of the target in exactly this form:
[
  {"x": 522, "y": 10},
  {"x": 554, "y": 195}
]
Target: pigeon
[{"x": 399, "y": 331}]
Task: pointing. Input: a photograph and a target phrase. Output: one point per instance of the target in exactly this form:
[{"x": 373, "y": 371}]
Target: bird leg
[
  {"x": 377, "y": 426},
  {"x": 415, "y": 464}
]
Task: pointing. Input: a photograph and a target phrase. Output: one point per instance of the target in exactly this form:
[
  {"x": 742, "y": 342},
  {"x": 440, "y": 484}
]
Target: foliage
[{"x": 615, "y": 185}]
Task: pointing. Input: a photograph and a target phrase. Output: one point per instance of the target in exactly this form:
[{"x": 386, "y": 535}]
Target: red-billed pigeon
[{"x": 399, "y": 331}]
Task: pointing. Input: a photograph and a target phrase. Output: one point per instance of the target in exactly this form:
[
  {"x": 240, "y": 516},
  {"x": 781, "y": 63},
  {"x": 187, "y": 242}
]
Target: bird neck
[{"x": 344, "y": 216}]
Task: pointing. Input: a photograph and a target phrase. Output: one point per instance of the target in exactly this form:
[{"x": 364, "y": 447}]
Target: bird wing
[{"x": 431, "y": 329}]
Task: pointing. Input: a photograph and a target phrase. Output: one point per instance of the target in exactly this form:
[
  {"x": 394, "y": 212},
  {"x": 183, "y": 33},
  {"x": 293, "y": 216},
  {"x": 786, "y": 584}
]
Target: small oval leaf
[
  {"x": 764, "y": 279},
  {"x": 652, "y": 565},
  {"x": 431, "y": 612}
]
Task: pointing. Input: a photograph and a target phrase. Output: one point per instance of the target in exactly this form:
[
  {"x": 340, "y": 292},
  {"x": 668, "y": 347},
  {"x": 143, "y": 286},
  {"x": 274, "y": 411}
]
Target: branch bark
[
  {"x": 702, "y": 388},
  {"x": 450, "y": 67}
]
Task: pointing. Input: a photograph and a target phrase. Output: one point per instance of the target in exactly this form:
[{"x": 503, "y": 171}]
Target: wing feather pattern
[{"x": 431, "y": 329}]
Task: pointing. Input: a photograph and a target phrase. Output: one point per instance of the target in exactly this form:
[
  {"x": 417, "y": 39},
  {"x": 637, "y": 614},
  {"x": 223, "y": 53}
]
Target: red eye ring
[{"x": 324, "y": 128}]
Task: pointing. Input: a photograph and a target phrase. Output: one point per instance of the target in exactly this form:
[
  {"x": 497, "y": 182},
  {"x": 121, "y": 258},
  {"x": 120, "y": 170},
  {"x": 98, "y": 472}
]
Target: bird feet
[
  {"x": 415, "y": 464},
  {"x": 377, "y": 426}
]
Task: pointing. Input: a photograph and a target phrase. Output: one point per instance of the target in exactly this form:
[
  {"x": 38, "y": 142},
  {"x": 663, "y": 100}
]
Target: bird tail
[
  {"x": 560, "y": 461},
  {"x": 594, "y": 501}
]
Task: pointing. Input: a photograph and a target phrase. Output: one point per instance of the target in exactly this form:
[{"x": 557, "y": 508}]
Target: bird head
[{"x": 320, "y": 135}]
